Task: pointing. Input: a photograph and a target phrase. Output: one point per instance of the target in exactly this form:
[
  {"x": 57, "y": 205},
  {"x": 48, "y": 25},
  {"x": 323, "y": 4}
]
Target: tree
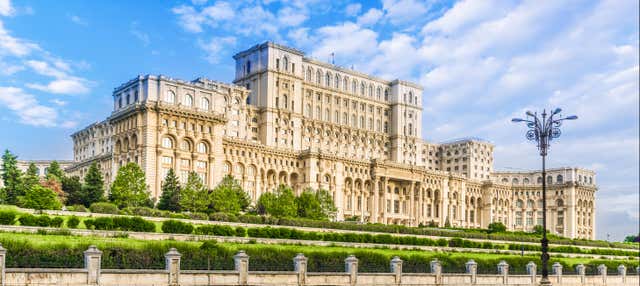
[
  {"x": 537, "y": 229},
  {"x": 632, "y": 238},
  {"x": 93, "y": 188},
  {"x": 72, "y": 188},
  {"x": 40, "y": 198},
  {"x": 31, "y": 177},
  {"x": 265, "y": 202},
  {"x": 194, "y": 197},
  {"x": 281, "y": 204},
  {"x": 229, "y": 197},
  {"x": 12, "y": 177},
  {"x": 170, "y": 198},
  {"x": 129, "y": 189},
  {"x": 496, "y": 227},
  {"x": 53, "y": 184},
  {"x": 55, "y": 171},
  {"x": 309, "y": 205},
  {"x": 326, "y": 203}
]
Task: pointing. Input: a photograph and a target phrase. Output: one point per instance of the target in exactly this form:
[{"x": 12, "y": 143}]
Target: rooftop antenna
[{"x": 333, "y": 58}]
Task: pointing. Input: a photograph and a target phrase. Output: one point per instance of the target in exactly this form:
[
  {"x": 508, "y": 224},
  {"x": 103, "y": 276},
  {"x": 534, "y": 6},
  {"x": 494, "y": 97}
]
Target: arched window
[
  {"x": 370, "y": 90},
  {"x": 337, "y": 83},
  {"x": 327, "y": 115},
  {"x": 505, "y": 180},
  {"x": 539, "y": 180},
  {"x": 354, "y": 86},
  {"x": 318, "y": 77},
  {"x": 345, "y": 83},
  {"x": 318, "y": 113},
  {"x": 185, "y": 145},
  {"x": 167, "y": 142},
  {"x": 530, "y": 203},
  {"x": 170, "y": 97},
  {"x": 309, "y": 74},
  {"x": 386, "y": 94},
  {"x": 202, "y": 147},
  {"x": 362, "y": 88},
  {"x": 378, "y": 93},
  {"x": 204, "y": 103},
  {"x": 328, "y": 79},
  {"x": 188, "y": 100},
  {"x": 519, "y": 203},
  {"x": 514, "y": 181},
  {"x": 119, "y": 101},
  {"x": 285, "y": 63},
  {"x": 248, "y": 67},
  {"x": 128, "y": 98},
  {"x": 525, "y": 181},
  {"x": 559, "y": 203},
  {"x": 410, "y": 97},
  {"x": 307, "y": 110},
  {"x": 549, "y": 179},
  {"x": 559, "y": 179}
]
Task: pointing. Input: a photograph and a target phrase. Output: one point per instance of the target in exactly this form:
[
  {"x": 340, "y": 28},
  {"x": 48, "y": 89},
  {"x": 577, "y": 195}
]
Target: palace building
[{"x": 289, "y": 119}]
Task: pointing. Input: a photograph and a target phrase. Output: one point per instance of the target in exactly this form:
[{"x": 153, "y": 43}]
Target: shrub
[
  {"x": 105, "y": 208},
  {"x": 241, "y": 231},
  {"x": 496, "y": 227},
  {"x": 7, "y": 217},
  {"x": 88, "y": 223},
  {"x": 174, "y": 226},
  {"x": 73, "y": 222},
  {"x": 196, "y": 215},
  {"x": 28, "y": 220},
  {"x": 56, "y": 222},
  {"x": 223, "y": 217},
  {"x": 43, "y": 220},
  {"x": 103, "y": 223}
]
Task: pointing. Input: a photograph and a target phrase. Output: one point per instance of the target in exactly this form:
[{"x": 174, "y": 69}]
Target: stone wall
[{"x": 172, "y": 275}]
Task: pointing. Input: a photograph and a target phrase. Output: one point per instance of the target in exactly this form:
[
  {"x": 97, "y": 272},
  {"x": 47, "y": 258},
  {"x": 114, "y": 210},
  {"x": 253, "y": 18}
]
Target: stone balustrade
[{"x": 172, "y": 275}]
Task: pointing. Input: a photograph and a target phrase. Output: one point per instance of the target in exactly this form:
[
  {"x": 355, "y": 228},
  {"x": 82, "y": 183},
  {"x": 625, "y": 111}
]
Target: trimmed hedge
[
  {"x": 120, "y": 223},
  {"x": 73, "y": 222},
  {"x": 175, "y": 226},
  {"x": 104, "y": 208},
  {"x": 7, "y": 217},
  {"x": 214, "y": 256}
]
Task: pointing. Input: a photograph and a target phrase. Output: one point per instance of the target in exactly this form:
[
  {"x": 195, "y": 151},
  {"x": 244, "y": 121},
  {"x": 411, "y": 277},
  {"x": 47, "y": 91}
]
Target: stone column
[
  {"x": 3, "y": 259},
  {"x": 472, "y": 269},
  {"x": 385, "y": 182},
  {"x": 503, "y": 270},
  {"x": 622, "y": 271},
  {"x": 241, "y": 260},
  {"x": 531, "y": 270},
  {"x": 172, "y": 265},
  {"x": 92, "y": 261},
  {"x": 396, "y": 269},
  {"x": 602, "y": 270},
  {"x": 300, "y": 267},
  {"x": 436, "y": 269},
  {"x": 580, "y": 269},
  {"x": 556, "y": 269},
  {"x": 376, "y": 201},
  {"x": 351, "y": 267}
]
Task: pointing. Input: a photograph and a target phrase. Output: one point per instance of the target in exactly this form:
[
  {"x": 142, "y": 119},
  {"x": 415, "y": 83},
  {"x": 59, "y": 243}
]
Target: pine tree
[
  {"x": 55, "y": 171},
  {"x": 129, "y": 189},
  {"x": 194, "y": 197},
  {"x": 12, "y": 177},
  {"x": 72, "y": 188},
  {"x": 229, "y": 197},
  {"x": 170, "y": 198},
  {"x": 31, "y": 177},
  {"x": 93, "y": 188}
]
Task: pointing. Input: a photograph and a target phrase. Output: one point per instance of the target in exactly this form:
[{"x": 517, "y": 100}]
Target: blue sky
[{"x": 480, "y": 62}]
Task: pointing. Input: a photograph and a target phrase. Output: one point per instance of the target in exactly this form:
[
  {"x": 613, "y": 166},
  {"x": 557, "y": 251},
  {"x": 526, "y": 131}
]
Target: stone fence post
[
  {"x": 602, "y": 270},
  {"x": 503, "y": 270},
  {"x": 622, "y": 271},
  {"x": 556, "y": 269},
  {"x": 472, "y": 269},
  {"x": 92, "y": 263},
  {"x": 241, "y": 261},
  {"x": 436, "y": 269},
  {"x": 396, "y": 269},
  {"x": 300, "y": 267},
  {"x": 531, "y": 270},
  {"x": 580, "y": 269},
  {"x": 3, "y": 259},
  {"x": 172, "y": 265},
  {"x": 351, "y": 267}
]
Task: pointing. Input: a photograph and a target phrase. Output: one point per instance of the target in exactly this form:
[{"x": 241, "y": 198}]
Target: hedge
[
  {"x": 120, "y": 223},
  {"x": 209, "y": 255},
  {"x": 175, "y": 226},
  {"x": 7, "y": 217},
  {"x": 105, "y": 208}
]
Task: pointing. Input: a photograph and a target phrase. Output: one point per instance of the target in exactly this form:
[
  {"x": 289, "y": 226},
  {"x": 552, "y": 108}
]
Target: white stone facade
[{"x": 293, "y": 120}]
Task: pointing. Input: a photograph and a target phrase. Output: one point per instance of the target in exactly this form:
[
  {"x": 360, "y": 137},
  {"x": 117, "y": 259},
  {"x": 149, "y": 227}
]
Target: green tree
[
  {"x": 12, "y": 177},
  {"x": 55, "y": 171},
  {"x": 194, "y": 197},
  {"x": 496, "y": 227},
  {"x": 72, "y": 187},
  {"x": 31, "y": 177},
  {"x": 282, "y": 204},
  {"x": 309, "y": 205},
  {"x": 326, "y": 203},
  {"x": 93, "y": 188},
  {"x": 170, "y": 198},
  {"x": 265, "y": 202},
  {"x": 632, "y": 238},
  {"x": 40, "y": 198},
  {"x": 129, "y": 189},
  {"x": 229, "y": 196}
]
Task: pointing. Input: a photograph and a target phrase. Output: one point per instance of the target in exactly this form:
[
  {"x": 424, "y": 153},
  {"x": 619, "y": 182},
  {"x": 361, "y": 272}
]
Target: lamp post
[{"x": 542, "y": 131}]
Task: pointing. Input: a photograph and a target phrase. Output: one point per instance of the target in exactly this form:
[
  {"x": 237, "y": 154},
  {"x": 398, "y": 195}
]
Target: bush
[
  {"x": 241, "y": 231},
  {"x": 133, "y": 224},
  {"x": 103, "y": 223},
  {"x": 27, "y": 220},
  {"x": 88, "y": 223},
  {"x": 221, "y": 230},
  {"x": 196, "y": 215},
  {"x": 73, "y": 222},
  {"x": 43, "y": 220},
  {"x": 77, "y": 208},
  {"x": 104, "y": 208},
  {"x": 56, "y": 222},
  {"x": 496, "y": 227},
  {"x": 223, "y": 217},
  {"x": 7, "y": 217},
  {"x": 174, "y": 226}
]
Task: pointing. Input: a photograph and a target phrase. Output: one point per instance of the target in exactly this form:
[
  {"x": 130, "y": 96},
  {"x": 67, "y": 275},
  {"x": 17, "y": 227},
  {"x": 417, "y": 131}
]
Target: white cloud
[
  {"x": 27, "y": 107},
  {"x": 215, "y": 46},
  {"x": 58, "y": 102},
  {"x": 289, "y": 16},
  {"x": 139, "y": 34},
  {"x": 220, "y": 11},
  {"x": 347, "y": 41},
  {"x": 79, "y": 21},
  {"x": 371, "y": 17},
  {"x": 353, "y": 9},
  {"x": 404, "y": 11},
  {"x": 12, "y": 46},
  {"x": 189, "y": 18},
  {"x": 5, "y": 8},
  {"x": 70, "y": 85}
]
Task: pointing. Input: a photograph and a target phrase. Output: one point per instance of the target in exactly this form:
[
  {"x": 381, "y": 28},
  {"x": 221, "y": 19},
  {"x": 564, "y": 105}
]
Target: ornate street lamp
[{"x": 542, "y": 131}]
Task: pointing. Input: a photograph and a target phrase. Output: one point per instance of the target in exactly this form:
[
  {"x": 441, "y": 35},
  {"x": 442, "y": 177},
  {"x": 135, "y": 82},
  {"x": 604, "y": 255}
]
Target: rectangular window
[
  {"x": 518, "y": 218},
  {"x": 529, "y": 218},
  {"x": 167, "y": 160},
  {"x": 539, "y": 219},
  {"x": 396, "y": 206}
]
